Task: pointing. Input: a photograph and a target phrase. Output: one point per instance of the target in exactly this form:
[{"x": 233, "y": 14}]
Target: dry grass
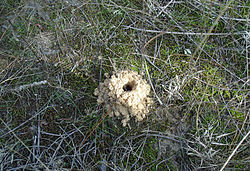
[{"x": 194, "y": 54}]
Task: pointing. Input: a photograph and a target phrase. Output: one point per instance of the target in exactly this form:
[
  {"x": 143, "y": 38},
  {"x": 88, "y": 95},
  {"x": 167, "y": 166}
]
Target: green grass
[{"x": 200, "y": 110}]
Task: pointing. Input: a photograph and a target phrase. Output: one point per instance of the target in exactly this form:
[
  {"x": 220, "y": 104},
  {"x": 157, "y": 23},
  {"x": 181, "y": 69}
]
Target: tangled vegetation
[{"x": 193, "y": 54}]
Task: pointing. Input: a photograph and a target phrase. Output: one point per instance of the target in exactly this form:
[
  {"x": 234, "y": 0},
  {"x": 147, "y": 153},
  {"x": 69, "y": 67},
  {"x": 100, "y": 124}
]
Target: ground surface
[{"x": 194, "y": 55}]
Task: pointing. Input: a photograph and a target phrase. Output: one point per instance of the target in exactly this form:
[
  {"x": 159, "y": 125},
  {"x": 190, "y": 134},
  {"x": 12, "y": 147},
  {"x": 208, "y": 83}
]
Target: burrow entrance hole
[{"x": 129, "y": 86}]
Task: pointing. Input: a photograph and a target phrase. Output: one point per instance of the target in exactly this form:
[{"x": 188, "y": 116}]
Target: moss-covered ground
[{"x": 194, "y": 54}]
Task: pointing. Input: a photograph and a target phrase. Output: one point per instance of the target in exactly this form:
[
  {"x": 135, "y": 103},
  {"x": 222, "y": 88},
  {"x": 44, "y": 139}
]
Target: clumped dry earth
[
  {"x": 191, "y": 57},
  {"x": 125, "y": 95}
]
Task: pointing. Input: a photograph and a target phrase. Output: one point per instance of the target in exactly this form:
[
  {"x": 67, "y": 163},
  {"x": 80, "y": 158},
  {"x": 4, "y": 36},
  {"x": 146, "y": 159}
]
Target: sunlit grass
[{"x": 53, "y": 54}]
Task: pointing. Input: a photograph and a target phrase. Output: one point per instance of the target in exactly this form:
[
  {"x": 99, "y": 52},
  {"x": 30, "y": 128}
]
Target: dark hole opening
[{"x": 129, "y": 86}]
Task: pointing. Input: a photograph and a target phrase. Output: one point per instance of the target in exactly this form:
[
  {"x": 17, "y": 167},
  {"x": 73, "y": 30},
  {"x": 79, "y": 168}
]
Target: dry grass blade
[
  {"x": 44, "y": 166},
  {"x": 236, "y": 148},
  {"x": 210, "y": 30},
  {"x": 90, "y": 132}
]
